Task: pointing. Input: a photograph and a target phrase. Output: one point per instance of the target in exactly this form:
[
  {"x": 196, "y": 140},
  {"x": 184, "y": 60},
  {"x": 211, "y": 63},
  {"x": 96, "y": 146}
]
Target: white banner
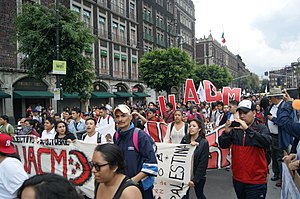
[
  {"x": 71, "y": 161},
  {"x": 174, "y": 170},
  {"x": 288, "y": 189}
]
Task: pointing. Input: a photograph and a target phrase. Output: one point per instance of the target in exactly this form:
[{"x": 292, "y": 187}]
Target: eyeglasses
[{"x": 97, "y": 166}]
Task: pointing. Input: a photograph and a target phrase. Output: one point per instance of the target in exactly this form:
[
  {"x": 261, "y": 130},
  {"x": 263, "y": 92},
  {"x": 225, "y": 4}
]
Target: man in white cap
[
  {"x": 138, "y": 151},
  {"x": 281, "y": 140},
  {"x": 248, "y": 140},
  {"x": 12, "y": 174}
]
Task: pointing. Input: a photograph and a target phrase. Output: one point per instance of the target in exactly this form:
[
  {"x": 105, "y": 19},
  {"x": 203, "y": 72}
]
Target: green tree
[
  {"x": 264, "y": 83},
  {"x": 35, "y": 30},
  {"x": 162, "y": 69},
  {"x": 219, "y": 76},
  {"x": 250, "y": 83}
]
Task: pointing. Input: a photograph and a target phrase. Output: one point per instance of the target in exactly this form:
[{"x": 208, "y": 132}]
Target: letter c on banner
[{"x": 209, "y": 88}]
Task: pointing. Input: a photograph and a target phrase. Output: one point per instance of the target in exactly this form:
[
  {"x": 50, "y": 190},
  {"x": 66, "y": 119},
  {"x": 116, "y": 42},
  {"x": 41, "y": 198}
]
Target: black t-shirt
[{"x": 68, "y": 136}]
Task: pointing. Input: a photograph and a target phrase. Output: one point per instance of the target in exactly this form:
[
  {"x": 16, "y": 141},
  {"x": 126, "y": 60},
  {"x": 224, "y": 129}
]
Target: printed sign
[{"x": 59, "y": 67}]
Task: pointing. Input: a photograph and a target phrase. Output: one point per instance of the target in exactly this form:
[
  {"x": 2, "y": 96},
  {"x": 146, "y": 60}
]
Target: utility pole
[{"x": 58, "y": 86}]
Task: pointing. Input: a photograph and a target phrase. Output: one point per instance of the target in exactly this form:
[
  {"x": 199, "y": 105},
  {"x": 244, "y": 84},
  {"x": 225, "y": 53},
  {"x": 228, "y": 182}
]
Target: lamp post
[{"x": 298, "y": 60}]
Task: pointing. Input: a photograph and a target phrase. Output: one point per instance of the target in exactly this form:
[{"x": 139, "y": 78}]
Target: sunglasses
[{"x": 97, "y": 166}]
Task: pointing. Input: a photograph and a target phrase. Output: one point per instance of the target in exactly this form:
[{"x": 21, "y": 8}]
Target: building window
[
  {"x": 87, "y": 18},
  {"x": 102, "y": 27},
  {"x": 115, "y": 31},
  {"x": 132, "y": 10},
  {"x": 76, "y": 8},
  {"x": 122, "y": 34}
]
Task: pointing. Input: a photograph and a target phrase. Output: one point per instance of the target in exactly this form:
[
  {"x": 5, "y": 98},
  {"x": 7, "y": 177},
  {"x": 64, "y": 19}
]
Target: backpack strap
[
  {"x": 186, "y": 127},
  {"x": 83, "y": 136},
  {"x": 171, "y": 128},
  {"x": 135, "y": 139},
  {"x": 98, "y": 138},
  {"x": 124, "y": 184}
]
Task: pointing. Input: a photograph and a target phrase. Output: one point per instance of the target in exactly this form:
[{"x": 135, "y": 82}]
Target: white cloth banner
[
  {"x": 174, "y": 170},
  {"x": 288, "y": 189},
  {"x": 71, "y": 161}
]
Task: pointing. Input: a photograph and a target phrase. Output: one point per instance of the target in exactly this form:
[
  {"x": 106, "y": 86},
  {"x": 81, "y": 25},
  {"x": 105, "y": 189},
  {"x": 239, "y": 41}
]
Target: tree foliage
[
  {"x": 219, "y": 76},
  {"x": 162, "y": 69},
  {"x": 35, "y": 30},
  {"x": 250, "y": 83}
]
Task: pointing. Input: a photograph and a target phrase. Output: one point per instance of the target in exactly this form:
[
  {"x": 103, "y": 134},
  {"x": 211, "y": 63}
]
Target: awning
[
  {"x": 138, "y": 94},
  {"x": 71, "y": 95},
  {"x": 4, "y": 95},
  {"x": 102, "y": 95},
  {"x": 32, "y": 94},
  {"x": 123, "y": 94}
]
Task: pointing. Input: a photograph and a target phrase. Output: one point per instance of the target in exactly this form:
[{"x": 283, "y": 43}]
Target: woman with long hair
[
  {"x": 196, "y": 137},
  {"x": 176, "y": 130},
  {"x": 107, "y": 165},
  {"x": 63, "y": 133},
  {"x": 12, "y": 173}
]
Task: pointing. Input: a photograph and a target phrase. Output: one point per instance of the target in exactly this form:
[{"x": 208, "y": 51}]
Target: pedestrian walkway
[{"x": 219, "y": 185}]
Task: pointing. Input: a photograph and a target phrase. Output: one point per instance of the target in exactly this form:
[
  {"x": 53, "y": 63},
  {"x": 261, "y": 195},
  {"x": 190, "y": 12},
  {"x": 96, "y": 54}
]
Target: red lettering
[
  {"x": 39, "y": 154},
  {"x": 229, "y": 93},
  {"x": 25, "y": 158},
  {"x": 172, "y": 101},
  {"x": 58, "y": 158},
  {"x": 211, "y": 93},
  {"x": 190, "y": 92},
  {"x": 162, "y": 104},
  {"x": 31, "y": 160}
]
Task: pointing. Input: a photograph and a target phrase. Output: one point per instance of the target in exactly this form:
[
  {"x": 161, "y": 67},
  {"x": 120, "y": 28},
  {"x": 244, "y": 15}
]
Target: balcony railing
[
  {"x": 147, "y": 17},
  {"x": 147, "y": 36},
  {"x": 160, "y": 24},
  {"x": 118, "y": 9},
  {"x": 160, "y": 42},
  {"x": 119, "y": 38}
]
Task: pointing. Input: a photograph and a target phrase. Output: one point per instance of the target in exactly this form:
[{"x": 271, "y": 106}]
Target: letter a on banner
[
  {"x": 190, "y": 92},
  {"x": 162, "y": 104},
  {"x": 209, "y": 89},
  {"x": 234, "y": 93}
]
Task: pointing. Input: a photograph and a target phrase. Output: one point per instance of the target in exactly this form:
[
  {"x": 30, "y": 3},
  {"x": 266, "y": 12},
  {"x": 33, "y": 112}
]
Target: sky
[{"x": 265, "y": 33}]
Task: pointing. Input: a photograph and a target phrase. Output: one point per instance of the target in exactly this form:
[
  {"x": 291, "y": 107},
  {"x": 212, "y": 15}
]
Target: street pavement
[{"x": 219, "y": 186}]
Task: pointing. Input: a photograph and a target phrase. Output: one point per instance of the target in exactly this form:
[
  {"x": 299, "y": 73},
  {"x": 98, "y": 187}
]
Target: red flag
[{"x": 223, "y": 38}]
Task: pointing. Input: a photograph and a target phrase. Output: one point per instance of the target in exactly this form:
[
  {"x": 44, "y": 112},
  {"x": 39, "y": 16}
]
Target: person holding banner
[
  {"x": 138, "y": 153},
  {"x": 196, "y": 137},
  {"x": 63, "y": 133},
  {"x": 248, "y": 139},
  {"x": 12, "y": 173},
  {"x": 107, "y": 164},
  {"x": 49, "y": 131}
]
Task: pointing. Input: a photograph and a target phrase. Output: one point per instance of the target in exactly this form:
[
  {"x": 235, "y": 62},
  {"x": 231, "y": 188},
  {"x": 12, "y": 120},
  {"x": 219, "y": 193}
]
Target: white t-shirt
[
  {"x": 92, "y": 139},
  {"x": 12, "y": 176},
  {"x": 272, "y": 127},
  {"x": 175, "y": 136},
  {"x": 106, "y": 126},
  {"x": 50, "y": 135}
]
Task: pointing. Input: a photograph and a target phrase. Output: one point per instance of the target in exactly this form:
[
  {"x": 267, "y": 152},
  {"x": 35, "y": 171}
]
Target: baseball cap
[
  {"x": 123, "y": 108},
  {"x": 6, "y": 146},
  {"x": 85, "y": 113},
  {"x": 246, "y": 106}
]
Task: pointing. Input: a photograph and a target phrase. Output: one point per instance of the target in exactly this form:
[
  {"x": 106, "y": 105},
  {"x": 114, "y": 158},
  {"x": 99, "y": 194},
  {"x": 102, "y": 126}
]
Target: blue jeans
[{"x": 250, "y": 191}]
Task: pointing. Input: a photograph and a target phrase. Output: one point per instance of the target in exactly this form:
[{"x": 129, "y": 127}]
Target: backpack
[
  {"x": 186, "y": 127},
  {"x": 98, "y": 137},
  {"x": 135, "y": 139},
  {"x": 108, "y": 117}
]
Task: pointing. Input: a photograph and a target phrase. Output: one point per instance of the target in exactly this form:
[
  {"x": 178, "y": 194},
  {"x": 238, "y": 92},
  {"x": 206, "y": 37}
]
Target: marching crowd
[{"x": 258, "y": 130}]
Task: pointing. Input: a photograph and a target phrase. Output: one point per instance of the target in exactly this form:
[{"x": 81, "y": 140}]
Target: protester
[
  {"x": 77, "y": 125},
  {"x": 12, "y": 173},
  {"x": 259, "y": 114},
  {"x": 196, "y": 137},
  {"x": 176, "y": 130},
  {"x": 5, "y": 126},
  {"x": 57, "y": 117},
  {"x": 280, "y": 138},
  {"x": 46, "y": 186},
  {"x": 233, "y": 104},
  {"x": 248, "y": 143},
  {"x": 29, "y": 128},
  {"x": 49, "y": 131},
  {"x": 36, "y": 115},
  {"x": 91, "y": 135},
  {"x": 141, "y": 163},
  {"x": 168, "y": 115},
  {"x": 105, "y": 125},
  {"x": 107, "y": 165},
  {"x": 63, "y": 133}
]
